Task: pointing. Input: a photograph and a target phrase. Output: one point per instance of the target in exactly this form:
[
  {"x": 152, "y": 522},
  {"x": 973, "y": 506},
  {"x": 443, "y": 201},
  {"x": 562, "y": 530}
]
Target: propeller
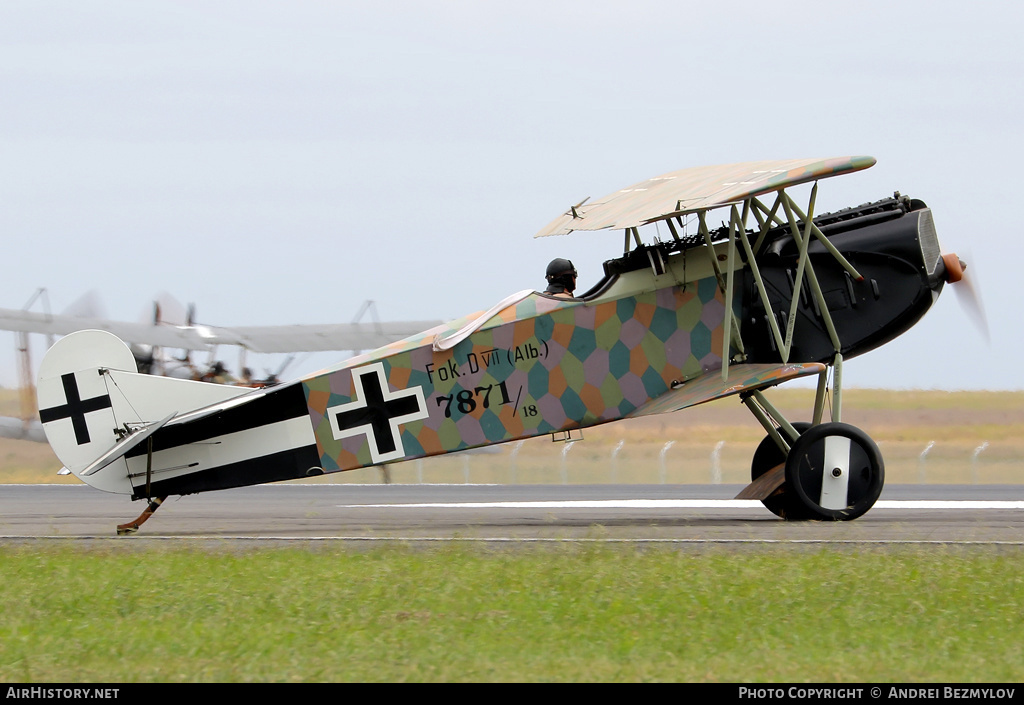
[{"x": 968, "y": 292}]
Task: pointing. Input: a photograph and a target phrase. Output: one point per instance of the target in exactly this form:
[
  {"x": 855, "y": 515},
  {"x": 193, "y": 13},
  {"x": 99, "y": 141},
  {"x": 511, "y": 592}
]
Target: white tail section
[{"x": 95, "y": 406}]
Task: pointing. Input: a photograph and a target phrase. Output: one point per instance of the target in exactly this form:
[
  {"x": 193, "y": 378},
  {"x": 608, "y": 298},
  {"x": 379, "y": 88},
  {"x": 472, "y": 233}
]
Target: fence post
[
  {"x": 565, "y": 471},
  {"x": 921, "y": 460},
  {"x": 716, "y": 464},
  {"x": 615, "y": 460},
  {"x": 662, "y": 459},
  {"x": 974, "y": 461},
  {"x": 513, "y": 461}
]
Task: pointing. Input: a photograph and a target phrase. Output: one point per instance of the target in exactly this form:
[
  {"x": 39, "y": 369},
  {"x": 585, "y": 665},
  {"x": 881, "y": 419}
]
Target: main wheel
[
  {"x": 782, "y": 502},
  {"x": 835, "y": 472}
]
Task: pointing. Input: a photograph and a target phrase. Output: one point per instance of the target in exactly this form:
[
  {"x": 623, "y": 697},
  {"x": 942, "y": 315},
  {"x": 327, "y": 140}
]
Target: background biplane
[
  {"x": 165, "y": 343},
  {"x": 776, "y": 292}
]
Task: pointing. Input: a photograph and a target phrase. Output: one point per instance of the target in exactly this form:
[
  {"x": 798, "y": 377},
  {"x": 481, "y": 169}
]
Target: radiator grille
[{"x": 928, "y": 240}]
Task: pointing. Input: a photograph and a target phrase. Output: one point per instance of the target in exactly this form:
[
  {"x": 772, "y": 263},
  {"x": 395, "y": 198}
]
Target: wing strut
[
  {"x": 803, "y": 230},
  {"x": 785, "y": 434},
  {"x": 735, "y": 241}
]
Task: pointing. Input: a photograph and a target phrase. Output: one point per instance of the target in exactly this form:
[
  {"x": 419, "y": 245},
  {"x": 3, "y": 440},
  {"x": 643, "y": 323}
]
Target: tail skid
[{"x": 133, "y": 526}]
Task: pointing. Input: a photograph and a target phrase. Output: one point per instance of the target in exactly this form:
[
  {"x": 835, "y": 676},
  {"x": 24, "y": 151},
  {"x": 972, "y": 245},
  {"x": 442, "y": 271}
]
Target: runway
[{"x": 683, "y": 514}]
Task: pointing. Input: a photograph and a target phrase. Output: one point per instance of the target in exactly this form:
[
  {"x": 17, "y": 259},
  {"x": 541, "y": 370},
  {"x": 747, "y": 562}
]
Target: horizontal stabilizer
[
  {"x": 124, "y": 445},
  {"x": 219, "y": 407}
]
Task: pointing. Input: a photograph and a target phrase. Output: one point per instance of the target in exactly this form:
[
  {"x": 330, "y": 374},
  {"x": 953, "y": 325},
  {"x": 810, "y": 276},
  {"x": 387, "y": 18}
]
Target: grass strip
[{"x": 461, "y": 614}]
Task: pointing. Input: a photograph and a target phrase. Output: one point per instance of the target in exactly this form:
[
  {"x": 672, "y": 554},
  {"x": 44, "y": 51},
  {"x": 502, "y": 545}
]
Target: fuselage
[{"x": 542, "y": 365}]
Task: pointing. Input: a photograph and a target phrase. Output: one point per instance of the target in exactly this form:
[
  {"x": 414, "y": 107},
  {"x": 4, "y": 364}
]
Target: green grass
[{"x": 461, "y": 614}]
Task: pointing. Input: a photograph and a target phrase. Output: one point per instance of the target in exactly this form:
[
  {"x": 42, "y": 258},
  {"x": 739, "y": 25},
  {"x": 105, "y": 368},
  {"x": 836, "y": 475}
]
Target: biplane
[
  {"x": 773, "y": 293},
  {"x": 165, "y": 345},
  {"x": 188, "y": 335}
]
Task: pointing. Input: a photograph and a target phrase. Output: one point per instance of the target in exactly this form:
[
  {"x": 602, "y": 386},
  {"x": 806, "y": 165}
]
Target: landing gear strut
[{"x": 822, "y": 471}]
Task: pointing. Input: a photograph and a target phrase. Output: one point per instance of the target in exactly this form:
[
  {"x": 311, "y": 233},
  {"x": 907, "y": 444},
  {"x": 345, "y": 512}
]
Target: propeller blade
[
  {"x": 969, "y": 295},
  {"x": 968, "y": 292}
]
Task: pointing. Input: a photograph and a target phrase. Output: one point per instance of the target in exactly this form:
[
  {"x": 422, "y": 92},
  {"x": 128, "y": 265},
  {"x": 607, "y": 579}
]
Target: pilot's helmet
[{"x": 559, "y": 266}]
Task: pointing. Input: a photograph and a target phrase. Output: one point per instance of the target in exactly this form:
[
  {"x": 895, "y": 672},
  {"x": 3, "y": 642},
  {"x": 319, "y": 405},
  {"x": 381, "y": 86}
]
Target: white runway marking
[{"x": 684, "y": 504}]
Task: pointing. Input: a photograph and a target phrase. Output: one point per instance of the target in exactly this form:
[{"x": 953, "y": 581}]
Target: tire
[
  {"x": 782, "y": 503},
  {"x": 834, "y": 472}
]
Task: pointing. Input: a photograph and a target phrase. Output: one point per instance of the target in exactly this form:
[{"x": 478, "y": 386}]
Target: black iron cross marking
[
  {"x": 76, "y": 408},
  {"x": 377, "y": 412}
]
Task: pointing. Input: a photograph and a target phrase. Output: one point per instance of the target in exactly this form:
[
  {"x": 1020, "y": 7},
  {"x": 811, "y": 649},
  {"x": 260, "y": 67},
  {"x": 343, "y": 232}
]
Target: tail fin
[{"x": 95, "y": 406}]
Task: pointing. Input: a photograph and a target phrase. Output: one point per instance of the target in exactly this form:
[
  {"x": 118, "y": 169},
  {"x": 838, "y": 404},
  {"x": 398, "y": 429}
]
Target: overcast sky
[{"x": 283, "y": 162}]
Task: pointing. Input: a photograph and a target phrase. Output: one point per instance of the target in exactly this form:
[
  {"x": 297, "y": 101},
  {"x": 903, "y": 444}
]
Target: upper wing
[
  {"x": 263, "y": 339},
  {"x": 742, "y": 378},
  {"x": 150, "y": 334},
  {"x": 695, "y": 189},
  {"x": 315, "y": 338}
]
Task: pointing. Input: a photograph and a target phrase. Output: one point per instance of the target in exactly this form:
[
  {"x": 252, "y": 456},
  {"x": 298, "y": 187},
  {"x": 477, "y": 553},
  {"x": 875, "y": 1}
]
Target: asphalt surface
[{"x": 686, "y": 514}]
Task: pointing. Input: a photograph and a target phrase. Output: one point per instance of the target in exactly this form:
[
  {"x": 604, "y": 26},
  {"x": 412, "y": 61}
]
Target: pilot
[
  {"x": 561, "y": 276},
  {"x": 218, "y": 374}
]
